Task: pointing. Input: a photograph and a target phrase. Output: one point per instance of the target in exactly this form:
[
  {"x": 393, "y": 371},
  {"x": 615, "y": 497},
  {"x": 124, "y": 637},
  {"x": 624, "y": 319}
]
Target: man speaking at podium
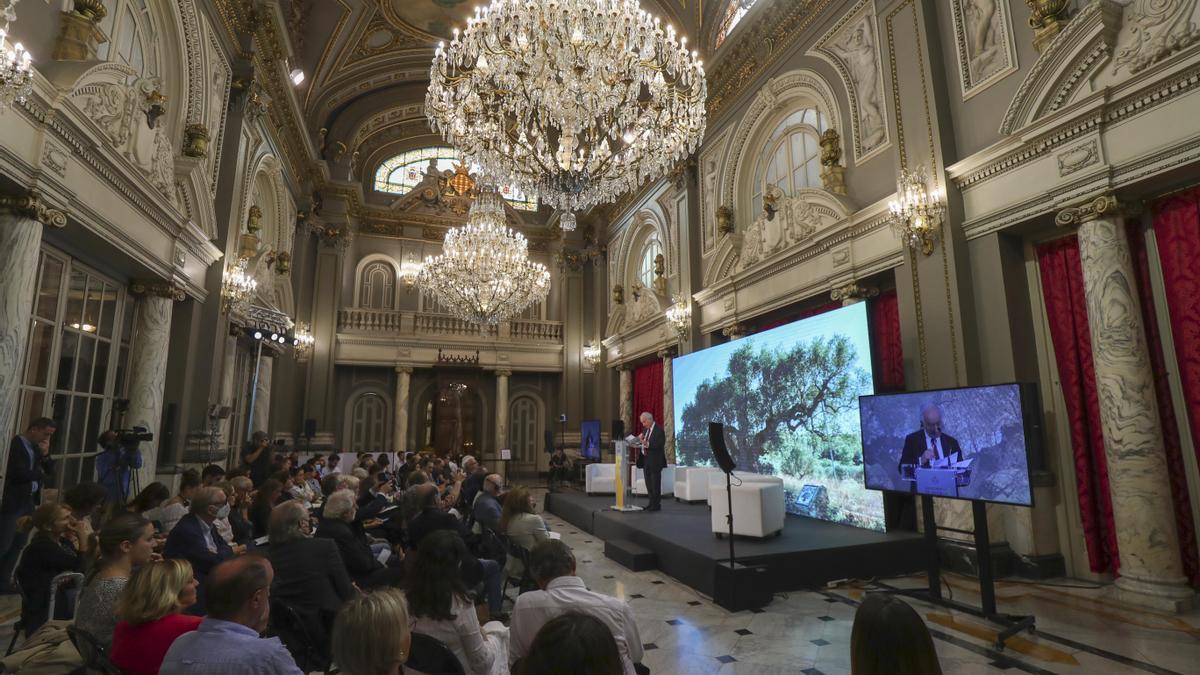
[
  {"x": 654, "y": 445},
  {"x": 928, "y": 445}
]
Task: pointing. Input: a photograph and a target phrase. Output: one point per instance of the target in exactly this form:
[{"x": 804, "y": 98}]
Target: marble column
[
  {"x": 1151, "y": 567},
  {"x": 228, "y": 372},
  {"x": 262, "y": 392},
  {"x": 626, "y": 398},
  {"x": 400, "y": 416},
  {"x": 21, "y": 221},
  {"x": 668, "y": 406},
  {"x": 502, "y": 418},
  {"x": 148, "y": 365}
]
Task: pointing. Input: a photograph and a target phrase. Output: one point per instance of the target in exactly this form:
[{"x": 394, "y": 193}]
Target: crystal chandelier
[
  {"x": 679, "y": 317},
  {"x": 409, "y": 270},
  {"x": 577, "y": 101},
  {"x": 591, "y": 355},
  {"x": 16, "y": 64},
  {"x": 484, "y": 275},
  {"x": 916, "y": 212},
  {"x": 302, "y": 342},
  {"x": 236, "y": 287}
]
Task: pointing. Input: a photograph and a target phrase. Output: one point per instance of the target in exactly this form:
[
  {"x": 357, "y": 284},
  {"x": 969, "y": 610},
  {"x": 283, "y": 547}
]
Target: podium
[
  {"x": 937, "y": 482},
  {"x": 624, "y": 479}
]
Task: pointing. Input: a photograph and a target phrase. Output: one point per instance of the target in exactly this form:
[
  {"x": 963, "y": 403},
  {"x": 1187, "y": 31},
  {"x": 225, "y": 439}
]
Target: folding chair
[{"x": 431, "y": 656}]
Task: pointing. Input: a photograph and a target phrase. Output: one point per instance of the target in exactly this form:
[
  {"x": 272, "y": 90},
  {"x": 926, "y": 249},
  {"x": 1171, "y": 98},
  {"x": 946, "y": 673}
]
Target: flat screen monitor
[
  {"x": 967, "y": 443},
  {"x": 788, "y": 398},
  {"x": 589, "y": 439}
]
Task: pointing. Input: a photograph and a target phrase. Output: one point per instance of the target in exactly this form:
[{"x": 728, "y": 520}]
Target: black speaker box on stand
[{"x": 740, "y": 587}]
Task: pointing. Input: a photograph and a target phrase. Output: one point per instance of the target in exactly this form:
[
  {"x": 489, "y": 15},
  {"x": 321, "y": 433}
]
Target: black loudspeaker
[
  {"x": 741, "y": 586},
  {"x": 716, "y": 440},
  {"x": 166, "y": 437},
  {"x": 310, "y": 428},
  {"x": 549, "y": 442},
  {"x": 618, "y": 430}
]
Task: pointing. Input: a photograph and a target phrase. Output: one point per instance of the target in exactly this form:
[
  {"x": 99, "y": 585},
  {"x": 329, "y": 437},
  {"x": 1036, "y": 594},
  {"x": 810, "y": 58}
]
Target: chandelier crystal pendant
[
  {"x": 16, "y": 63},
  {"x": 916, "y": 212},
  {"x": 484, "y": 275},
  {"x": 577, "y": 101},
  {"x": 237, "y": 287}
]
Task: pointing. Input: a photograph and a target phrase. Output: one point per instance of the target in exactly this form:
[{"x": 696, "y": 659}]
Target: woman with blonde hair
[
  {"x": 522, "y": 524},
  {"x": 150, "y": 614},
  {"x": 371, "y": 634}
]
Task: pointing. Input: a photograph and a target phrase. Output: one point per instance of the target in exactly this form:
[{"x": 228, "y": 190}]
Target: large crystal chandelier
[
  {"x": 16, "y": 64},
  {"x": 484, "y": 275},
  {"x": 578, "y": 101},
  {"x": 237, "y": 287}
]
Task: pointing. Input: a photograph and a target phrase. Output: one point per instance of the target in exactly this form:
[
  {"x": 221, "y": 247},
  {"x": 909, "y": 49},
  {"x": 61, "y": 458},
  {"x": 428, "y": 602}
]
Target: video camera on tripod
[{"x": 129, "y": 439}]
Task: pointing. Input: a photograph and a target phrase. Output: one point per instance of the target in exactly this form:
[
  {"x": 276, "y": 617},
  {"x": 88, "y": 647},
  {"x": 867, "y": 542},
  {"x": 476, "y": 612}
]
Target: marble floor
[{"x": 1079, "y": 629}]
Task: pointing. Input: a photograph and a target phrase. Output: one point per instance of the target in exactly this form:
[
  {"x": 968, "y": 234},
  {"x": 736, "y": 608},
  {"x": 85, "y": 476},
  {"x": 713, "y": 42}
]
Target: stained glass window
[
  {"x": 403, "y": 172},
  {"x": 734, "y": 11}
]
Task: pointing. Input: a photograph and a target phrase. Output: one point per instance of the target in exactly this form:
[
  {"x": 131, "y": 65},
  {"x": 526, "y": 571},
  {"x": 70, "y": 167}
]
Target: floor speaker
[{"x": 740, "y": 587}]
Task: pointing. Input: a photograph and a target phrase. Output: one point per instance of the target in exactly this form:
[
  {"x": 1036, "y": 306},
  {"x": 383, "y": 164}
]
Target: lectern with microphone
[{"x": 736, "y": 586}]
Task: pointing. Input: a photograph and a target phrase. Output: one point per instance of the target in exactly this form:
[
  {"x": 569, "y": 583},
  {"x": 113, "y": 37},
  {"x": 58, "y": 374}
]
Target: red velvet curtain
[
  {"x": 1177, "y": 232},
  {"x": 1066, "y": 309},
  {"x": 888, "y": 351},
  {"x": 647, "y": 392}
]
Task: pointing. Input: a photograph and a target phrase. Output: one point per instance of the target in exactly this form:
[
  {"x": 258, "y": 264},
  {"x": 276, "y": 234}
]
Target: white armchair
[
  {"x": 601, "y": 479},
  {"x": 668, "y": 481},
  {"x": 758, "y": 508},
  {"x": 691, "y": 483},
  {"x": 716, "y": 482}
]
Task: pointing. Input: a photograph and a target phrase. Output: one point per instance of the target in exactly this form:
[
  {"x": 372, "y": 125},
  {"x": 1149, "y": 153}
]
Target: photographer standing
[{"x": 114, "y": 464}]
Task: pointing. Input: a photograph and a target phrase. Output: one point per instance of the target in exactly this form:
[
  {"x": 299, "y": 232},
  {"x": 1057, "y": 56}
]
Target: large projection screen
[{"x": 789, "y": 400}]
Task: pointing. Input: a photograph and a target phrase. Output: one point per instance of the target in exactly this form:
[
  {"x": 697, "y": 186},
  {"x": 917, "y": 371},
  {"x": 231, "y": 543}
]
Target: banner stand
[{"x": 623, "y": 483}]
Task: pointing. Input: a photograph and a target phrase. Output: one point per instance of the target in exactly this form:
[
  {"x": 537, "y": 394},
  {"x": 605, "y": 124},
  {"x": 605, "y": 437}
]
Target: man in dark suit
[
  {"x": 360, "y": 560},
  {"x": 195, "y": 540},
  {"x": 29, "y": 467},
  {"x": 654, "y": 444},
  {"x": 309, "y": 573},
  {"x": 928, "y": 444}
]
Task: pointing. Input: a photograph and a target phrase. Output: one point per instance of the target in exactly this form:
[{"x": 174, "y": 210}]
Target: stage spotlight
[
  {"x": 295, "y": 341},
  {"x": 258, "y": 335},
  {"x": 274, "y": 337}
]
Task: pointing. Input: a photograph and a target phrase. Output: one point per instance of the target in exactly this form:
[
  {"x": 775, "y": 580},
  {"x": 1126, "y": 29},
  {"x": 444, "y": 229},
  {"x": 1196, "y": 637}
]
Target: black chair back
[
  {"x": 95, "y": 659},
  {"x": 289, "y": 625},
  {"x": 432, "y": 657}
]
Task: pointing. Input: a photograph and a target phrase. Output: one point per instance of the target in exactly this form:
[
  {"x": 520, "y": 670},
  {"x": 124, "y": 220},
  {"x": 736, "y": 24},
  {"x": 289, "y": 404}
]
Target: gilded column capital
[
  {"x": 1094, "y": 209},
  {"x": 32, "y": 205},
  {"x": 668, "y": 353},
  {"x": 157, "y": 288},
  {"x": 852, "y": 292}
]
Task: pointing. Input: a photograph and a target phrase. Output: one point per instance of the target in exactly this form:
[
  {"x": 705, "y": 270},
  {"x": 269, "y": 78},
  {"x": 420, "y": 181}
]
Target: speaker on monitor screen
[{"x": 716, "y": 440}]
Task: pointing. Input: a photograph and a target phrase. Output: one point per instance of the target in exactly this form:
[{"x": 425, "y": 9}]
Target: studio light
[{"x": 296, "y": 76}]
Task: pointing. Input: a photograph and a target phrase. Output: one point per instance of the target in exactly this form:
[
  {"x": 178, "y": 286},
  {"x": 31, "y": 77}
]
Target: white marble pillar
[
  {"x": 228, "y": 370},
  {"x": 400, "y": 416},
  {"x": 668, "y": 389},
  {"x": 626, "y": 398},
  {"x": 502, "y": 418},
  {"x": 21, "y": 222},
  {"x": 1151, "y": 568},
  {"x": 262, "y": 392},
  {"x": 148, "y": 366}
]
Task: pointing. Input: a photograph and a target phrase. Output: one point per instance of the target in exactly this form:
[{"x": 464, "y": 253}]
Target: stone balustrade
[{"x": 401, "y": 323}]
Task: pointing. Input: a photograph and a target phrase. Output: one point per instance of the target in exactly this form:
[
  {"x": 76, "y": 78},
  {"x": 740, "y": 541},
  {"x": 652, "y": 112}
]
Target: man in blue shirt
[
  {"x": 227, "y": 642},
  {"x": 113, "y": 466}
]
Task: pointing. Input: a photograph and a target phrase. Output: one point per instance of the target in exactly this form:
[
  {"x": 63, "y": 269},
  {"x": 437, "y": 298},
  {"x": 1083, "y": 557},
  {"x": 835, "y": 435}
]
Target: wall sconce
[
  {"x": 679, "y": 317},
  {"x": 591, "y": 355},
  {"x": 916, "y": 212},
  {"x": 409, "y": 271},
  {"x": 302, "y": 342},
  {"x": 237, "y": 287}
]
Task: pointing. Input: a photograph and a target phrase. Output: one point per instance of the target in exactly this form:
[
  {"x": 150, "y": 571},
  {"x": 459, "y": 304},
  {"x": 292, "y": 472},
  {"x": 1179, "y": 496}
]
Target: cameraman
[{"x": 114, "y": 464}]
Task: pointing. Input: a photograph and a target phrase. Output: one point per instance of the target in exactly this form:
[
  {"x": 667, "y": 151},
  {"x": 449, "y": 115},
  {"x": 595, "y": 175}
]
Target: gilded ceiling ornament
[
  {"x": 725, "y": 222},
  {"x": 195, "y": 141},
  {"x": 1046, "y": 18}
]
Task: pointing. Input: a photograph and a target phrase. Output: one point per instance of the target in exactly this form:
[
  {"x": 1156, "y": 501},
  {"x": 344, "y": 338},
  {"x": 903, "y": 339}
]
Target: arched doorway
[
  {"x": 367, "y": 423},
  {"x": 525, "y": 424}
]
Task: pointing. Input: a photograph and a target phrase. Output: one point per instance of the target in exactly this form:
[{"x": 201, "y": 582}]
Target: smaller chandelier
[
  {"x": 302, "y": 342},
  {"x": 591, "y": 355},
  {"x": 916, "y": 212},
  {"x": 566, "y": 222},
  {"x": 16, "y": 63},
  {"x": 236, "y": 287},
  {"x": 679, "y": 317},
  {"x": 409, "y": 271}
]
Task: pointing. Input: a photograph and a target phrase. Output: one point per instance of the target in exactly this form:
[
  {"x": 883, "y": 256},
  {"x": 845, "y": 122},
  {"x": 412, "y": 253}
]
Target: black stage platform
[{"x": 808, "y": 554}]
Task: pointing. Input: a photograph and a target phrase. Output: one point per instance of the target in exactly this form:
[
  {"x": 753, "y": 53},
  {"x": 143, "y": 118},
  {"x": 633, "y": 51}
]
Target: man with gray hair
[
  {"x": 309, "y": 573},
  {"x": 195, "y": 540},
  {"x": 552, "y": 565},
  {"x": 366, "y": 564},
  {"x": 654, "y": 449},
  {"x": 929, "y": 445}
]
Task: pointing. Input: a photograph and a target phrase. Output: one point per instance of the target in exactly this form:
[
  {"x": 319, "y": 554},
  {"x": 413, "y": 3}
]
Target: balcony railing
[{"x": 399, "y": 323}]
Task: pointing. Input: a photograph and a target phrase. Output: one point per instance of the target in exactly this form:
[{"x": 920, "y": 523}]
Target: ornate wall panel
[{"x": 983, "y": 38}]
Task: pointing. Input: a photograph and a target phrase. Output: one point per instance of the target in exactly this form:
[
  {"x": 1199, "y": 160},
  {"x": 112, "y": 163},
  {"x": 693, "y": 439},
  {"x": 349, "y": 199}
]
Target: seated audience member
[
  {"x": 150, "y": 612},
  {"x": 86, "y": 501},
  {"x": 574, "y": 642},
  {"x": 240, "y": 527},
  {"x": 332, "y": 467},
  {"x": 520, "y": 521},
  {"x": 298, "y": 488},
  {"x": 227, "y": 642},
  {"x": 890, "y": 638},
  {"x": 441, "y": 608},
  {"x": 211, "y": 475},
  {"x": 475, "y": 475},
  {"x": 560, "y": 468},
  {"x": 151, "y": 497},
  {"x": 124, "y": 543},
  {"x": 176, "y": 507},
  {"x": 284, "y": 476},
  {"x": 54, "y": 548},
  {"x": 309, "y": 574},
  {"x": 552, "y": 565},
  {"x": 362, "y": 563},
  {"x": 487, "y": 507},
  {"x": 195, "y": 539},
  {"x": 371, "y": 634},
  {"x": 312, "y": 482},
  {"x": 264, "y": 500},
  {"x": 408, "y": 466}
]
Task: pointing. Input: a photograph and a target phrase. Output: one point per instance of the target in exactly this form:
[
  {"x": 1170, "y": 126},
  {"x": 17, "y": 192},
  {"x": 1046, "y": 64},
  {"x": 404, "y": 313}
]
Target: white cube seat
[
  {"x": 600, "y": 479},
  {"x": 668, "y": 481},
  {"x": 691, "y": 482},
  {"x": 716, "y": 482},
  {"x": 758, "y": 508}
]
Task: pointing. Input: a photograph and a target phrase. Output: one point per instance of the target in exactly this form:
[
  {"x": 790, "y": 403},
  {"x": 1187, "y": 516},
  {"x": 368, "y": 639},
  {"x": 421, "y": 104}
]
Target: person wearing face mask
[
  {"x": 196, "y": 540},
  {"x": 309, "y": 573}
]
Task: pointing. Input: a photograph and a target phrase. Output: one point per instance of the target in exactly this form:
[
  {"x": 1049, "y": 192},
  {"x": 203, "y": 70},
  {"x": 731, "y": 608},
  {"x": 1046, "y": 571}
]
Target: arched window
[
  {"x": 524, "y": 433},
  {"x": 131, "y": 37},
  {"x": 377, "y": 286},
  {"x": 791, "y": 157},
  {"x": 403, "y": 172},
  {"x": 734, "y": 11},
  {"x": 650, "y": 251},
  {"x": 368, "y": 422}
]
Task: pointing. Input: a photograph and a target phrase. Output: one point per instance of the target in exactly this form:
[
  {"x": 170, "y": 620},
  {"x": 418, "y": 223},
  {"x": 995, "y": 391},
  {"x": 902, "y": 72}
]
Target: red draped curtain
[
  {"x": 888, "y": 351},
  {"x": 647, "y": 392},
  {"x": 1177, "y": 232},
  {"x": 1066, "y": 310}
]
